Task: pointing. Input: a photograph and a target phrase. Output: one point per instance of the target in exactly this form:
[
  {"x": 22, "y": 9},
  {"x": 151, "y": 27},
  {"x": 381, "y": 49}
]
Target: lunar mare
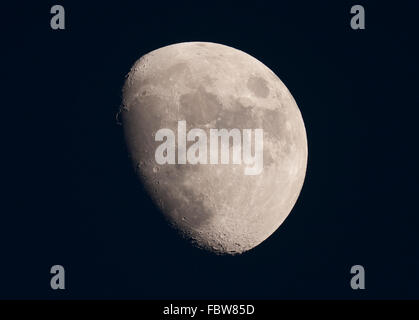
[
  {"x": 198, "y": 151},
  {"x": 213, "y": 86}
]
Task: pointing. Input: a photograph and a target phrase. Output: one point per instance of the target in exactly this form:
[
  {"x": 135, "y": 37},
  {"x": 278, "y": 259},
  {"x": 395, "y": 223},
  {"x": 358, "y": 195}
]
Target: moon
[{"x": 213, "y": 86}]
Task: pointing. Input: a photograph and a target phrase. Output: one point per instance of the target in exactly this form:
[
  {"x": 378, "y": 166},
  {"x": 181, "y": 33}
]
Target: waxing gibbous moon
[{"x": 213, "y": 86}]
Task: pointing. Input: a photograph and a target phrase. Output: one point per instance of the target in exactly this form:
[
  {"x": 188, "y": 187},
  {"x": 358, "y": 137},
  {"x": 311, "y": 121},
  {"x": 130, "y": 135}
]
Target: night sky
[{"x": 73, "y": 199}]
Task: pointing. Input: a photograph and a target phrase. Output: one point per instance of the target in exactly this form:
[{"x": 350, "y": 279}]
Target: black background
[{"x": 72, "y": 198}]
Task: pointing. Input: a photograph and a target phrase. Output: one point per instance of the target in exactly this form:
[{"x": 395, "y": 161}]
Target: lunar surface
[{"x": 213, "y": 86}]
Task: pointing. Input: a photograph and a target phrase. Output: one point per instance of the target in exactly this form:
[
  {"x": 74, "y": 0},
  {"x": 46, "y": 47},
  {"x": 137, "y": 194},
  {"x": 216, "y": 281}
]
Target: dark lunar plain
[{"x": 72, "y": 198}]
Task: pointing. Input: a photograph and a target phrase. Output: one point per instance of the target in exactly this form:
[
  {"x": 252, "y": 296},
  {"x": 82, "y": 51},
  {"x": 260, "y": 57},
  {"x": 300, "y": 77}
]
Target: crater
[{"x": 187, "y": 209}]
